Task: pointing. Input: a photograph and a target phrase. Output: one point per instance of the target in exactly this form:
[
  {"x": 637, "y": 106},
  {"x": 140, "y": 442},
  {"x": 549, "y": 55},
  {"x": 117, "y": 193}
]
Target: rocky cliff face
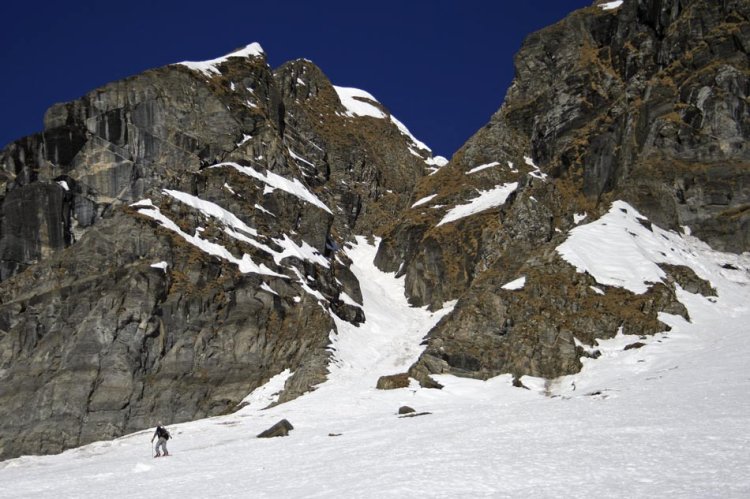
[
  {"x": 165, "y": 243},
  {"x": 644, "y": 101}
]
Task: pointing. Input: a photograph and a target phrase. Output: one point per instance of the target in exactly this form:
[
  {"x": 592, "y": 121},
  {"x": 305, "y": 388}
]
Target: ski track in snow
[{"x": 667, "y": 420}]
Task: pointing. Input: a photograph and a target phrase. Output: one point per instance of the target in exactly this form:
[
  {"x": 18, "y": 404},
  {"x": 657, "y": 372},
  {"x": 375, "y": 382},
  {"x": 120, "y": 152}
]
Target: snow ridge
[
  {"x": 354, "y": 100},
  {"x": 210, "y": 68}
]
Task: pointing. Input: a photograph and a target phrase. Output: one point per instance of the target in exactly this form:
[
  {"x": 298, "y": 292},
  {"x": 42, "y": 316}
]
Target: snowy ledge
[
  {"x": 611, "y": 5},
  {"x": 274, "y": 181},
  {"x": 485, "y": 201},
  {"x": 516, "y": 284},
  {"x": 210, "y": 68}
]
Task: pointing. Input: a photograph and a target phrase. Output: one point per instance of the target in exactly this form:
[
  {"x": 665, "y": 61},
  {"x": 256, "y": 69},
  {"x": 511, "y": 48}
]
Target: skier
[{"x": 163, "y": 435}]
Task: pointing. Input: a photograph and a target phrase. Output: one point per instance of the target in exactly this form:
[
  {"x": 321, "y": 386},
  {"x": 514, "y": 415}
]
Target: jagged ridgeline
[{"x": 167, "y": 243}]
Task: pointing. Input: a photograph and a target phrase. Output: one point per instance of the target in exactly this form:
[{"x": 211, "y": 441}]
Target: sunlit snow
[
  {"x": 210, "y": 68},
  {"x": 424, "y": 200},
  {"x": 437, "y": 161},
  {"x": 611, "y": 5},
  {"x": 210, "y": 209},
  {"x": 351, "y": 99},
  {"x": 487, "y": 199},
  {"x": 482, "y": 167},
  {"x": 632, "y": 250},
  {"x": 274, "y": 181},
  {"x": 515, "y": 284},
  {"x": 669, "y": 419},
  {"x": 160, "y": 265}
]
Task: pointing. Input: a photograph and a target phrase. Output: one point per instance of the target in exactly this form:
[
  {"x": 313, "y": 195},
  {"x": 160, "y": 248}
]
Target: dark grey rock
[
  {"x": 280, "y": 429},
  {"x": 634, "y": 346}
]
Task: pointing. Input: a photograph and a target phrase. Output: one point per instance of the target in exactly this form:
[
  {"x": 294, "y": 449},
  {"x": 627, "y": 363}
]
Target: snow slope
[{"x": 667, "y": 420}]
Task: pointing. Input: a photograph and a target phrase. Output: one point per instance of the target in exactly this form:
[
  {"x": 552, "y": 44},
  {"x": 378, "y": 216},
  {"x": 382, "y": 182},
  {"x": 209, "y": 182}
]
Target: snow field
[{"x": 669, "y": 419}]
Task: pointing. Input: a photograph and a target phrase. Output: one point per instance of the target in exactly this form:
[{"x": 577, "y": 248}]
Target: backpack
[{"x": 162, "y": 433}]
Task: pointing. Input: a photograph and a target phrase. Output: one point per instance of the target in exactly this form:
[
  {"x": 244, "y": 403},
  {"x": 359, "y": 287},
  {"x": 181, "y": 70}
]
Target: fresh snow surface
[
  {"x": 486, "y": 200},
  {"x": 350, "y": 99},
  {"x": 210, "y": 68},
  {"x": 143, "y": 203},
  {"x": 482, "y": 167},
  {"x": 437, "y": 161},
  {"x": 424, "y": 200},
  {"x": 210, "y": 209},
  {"x": 304, "y": 252},
  {"x": 667, "y": 420},
  {"x": 611, "y": 5},
  {"x": 268, "y": 393},
  {"x": 274, "y": 181},
  {"x": 631, "y": 250},
  {"x": 515, "y": 284},
  {"x": 160, "y": 265}
]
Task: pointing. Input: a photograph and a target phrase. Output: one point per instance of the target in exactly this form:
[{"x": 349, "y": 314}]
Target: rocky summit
[{"x": 171, "y": 241}]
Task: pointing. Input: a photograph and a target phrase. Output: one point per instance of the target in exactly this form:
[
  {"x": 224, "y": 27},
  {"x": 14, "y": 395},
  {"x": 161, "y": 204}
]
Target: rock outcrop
[
  {"x": 280, "y": 429},
  {"x": 167, "y": 244},
  {"x": 643, "y": 101}
]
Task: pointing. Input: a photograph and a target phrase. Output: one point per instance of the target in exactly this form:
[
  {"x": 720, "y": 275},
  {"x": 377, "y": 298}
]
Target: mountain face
[
  {"x": 167, "y": 243},
  {"x": 643, "y": 101}
]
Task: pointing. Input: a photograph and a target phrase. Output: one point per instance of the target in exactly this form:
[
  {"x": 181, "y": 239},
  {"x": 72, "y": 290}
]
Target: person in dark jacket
[{"x": 162, "y": 435}]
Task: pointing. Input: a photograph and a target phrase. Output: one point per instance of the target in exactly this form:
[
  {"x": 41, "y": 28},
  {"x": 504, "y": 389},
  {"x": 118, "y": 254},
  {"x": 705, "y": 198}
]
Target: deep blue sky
[{"x": 442, "y": 67}]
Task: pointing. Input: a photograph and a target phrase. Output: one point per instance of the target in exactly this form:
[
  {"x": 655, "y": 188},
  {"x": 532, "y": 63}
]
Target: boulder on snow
[
  {"x": 405, "y": 409},
  {"x": 632, "y": 346},
  {"x": 393, "y": 381},
  {"x": 280, "y": 429}
]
